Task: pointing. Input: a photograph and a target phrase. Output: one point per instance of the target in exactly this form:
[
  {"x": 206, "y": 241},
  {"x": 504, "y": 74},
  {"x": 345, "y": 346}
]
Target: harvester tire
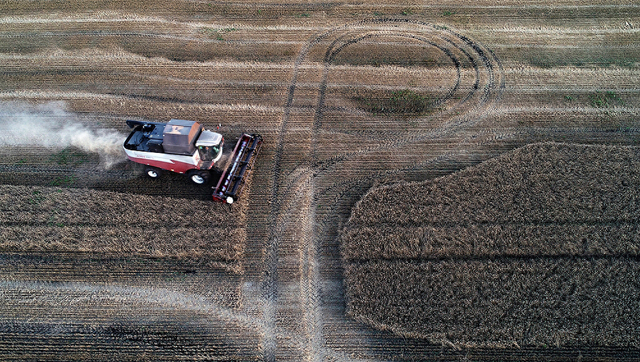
[
  {"x": 199, "y": 177},
  {"x": 152, "y": 172}
]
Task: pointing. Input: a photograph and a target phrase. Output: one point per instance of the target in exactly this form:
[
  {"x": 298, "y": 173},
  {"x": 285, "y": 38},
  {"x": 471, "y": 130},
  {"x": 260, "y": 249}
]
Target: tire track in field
[
  {"x": 126, "y": 294},
  {"x": 270, "y": 277},
  {"x": 312, "y": 260},
  {"x": 448, "y": 128}
]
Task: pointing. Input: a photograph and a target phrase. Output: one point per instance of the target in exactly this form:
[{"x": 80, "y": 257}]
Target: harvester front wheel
[
  {"x": 199, "y": 177},
  {"x": 153, "y": 172}
]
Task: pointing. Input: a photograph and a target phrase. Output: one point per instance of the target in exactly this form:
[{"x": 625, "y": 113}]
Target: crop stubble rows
[{"x": 305, "y": 183}]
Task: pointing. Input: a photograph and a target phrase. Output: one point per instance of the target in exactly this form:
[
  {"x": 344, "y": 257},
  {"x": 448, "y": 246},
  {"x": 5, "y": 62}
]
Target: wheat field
[
  {"x": 98, "y": 262},
  {"x": 536, "y": 247}
]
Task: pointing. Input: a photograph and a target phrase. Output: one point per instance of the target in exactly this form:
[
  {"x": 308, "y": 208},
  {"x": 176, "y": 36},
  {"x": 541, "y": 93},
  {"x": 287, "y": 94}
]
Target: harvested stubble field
[{"x": 346, "y": 95}]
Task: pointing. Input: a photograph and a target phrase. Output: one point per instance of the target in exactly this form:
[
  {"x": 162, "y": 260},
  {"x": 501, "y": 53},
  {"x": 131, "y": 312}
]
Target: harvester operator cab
[
  {"x": 209, "y": 153},
  {"x": 209, "y": 146}
]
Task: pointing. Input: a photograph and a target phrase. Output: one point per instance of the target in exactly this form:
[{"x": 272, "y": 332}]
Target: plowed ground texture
[
  {"x": 536, "y": 247},
  {"x": 98, "y": 262}
]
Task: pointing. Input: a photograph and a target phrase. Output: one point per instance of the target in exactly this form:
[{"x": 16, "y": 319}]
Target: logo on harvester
[{"x": 175, "y": 129}]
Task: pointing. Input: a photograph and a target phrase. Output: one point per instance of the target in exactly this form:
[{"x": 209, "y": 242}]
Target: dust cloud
[{"x": 51, "y": 125}]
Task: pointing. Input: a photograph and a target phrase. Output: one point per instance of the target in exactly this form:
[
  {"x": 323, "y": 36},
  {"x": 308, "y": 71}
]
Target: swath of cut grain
[{"x": 535, "y": 247}]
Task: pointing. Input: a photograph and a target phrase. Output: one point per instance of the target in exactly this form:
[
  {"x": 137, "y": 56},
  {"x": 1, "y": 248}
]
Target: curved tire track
[{"x": 312, "y": 245}]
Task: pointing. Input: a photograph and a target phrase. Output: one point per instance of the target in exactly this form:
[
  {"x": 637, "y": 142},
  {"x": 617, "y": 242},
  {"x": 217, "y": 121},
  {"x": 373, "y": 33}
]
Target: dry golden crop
[
  {"x": 535, "y": 247},
  {"x": 501, "y": 302},
  {"x": 47, "y": 219}
]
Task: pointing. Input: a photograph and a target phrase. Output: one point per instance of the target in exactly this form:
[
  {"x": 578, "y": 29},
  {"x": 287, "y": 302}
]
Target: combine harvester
[{"x": 186, "y": 147}]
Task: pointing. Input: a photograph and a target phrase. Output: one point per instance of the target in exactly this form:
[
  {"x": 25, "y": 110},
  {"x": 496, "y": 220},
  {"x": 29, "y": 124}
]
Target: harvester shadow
[
  {"x": 169, "y": 184},
  {"x": 125, "y": 177}
]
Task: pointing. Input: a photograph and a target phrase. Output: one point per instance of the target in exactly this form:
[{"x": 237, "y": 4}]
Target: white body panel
[
  {"x": 166, "y": 161},
  {"x": 164, "y": 157}
]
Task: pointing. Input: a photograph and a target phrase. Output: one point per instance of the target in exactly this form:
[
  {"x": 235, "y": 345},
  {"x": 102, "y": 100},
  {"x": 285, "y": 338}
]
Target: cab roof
[{"x": 208, "y": 138}]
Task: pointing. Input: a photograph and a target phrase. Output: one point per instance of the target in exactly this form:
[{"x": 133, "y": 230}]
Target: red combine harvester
[{"x": 186, "y": 147}]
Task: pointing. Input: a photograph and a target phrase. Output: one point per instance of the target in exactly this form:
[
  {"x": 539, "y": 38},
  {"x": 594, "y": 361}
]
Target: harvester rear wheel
[{"x": 152, "y": 172}]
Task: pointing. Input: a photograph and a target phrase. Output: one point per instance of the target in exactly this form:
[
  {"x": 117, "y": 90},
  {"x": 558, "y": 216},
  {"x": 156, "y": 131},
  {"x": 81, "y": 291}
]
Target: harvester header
[{"x": 233, "y": 178}]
